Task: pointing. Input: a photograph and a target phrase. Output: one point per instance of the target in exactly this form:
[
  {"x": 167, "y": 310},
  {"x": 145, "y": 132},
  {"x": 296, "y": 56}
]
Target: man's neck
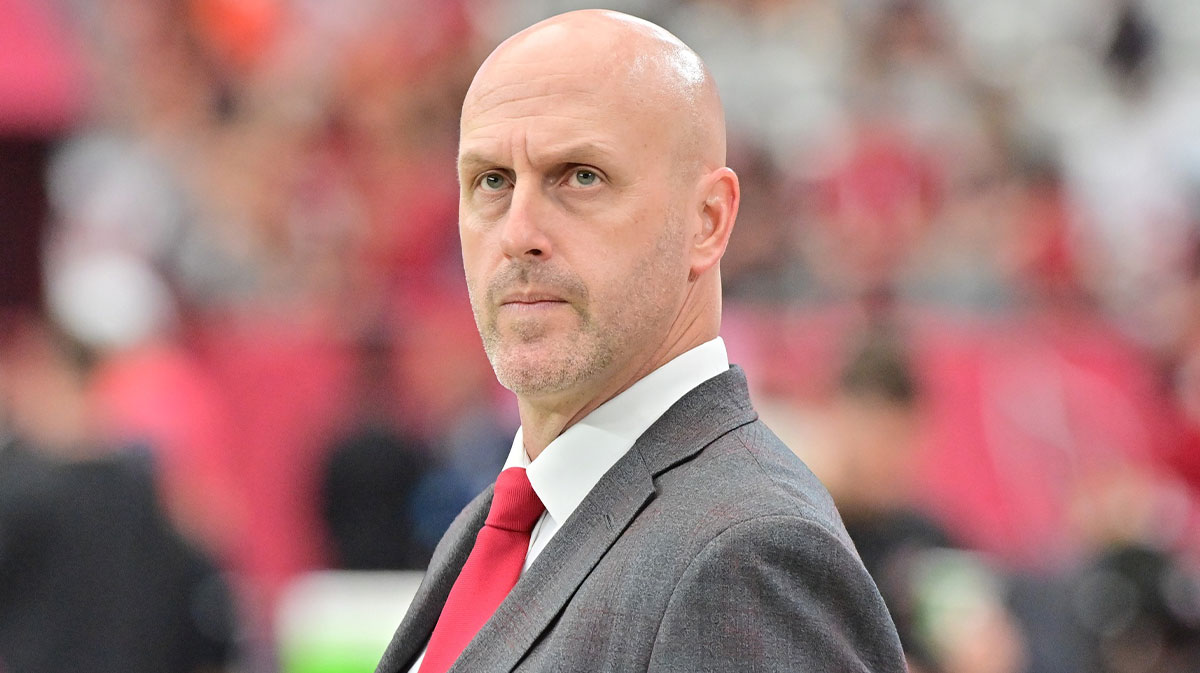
[
  {"x": 538, "y": 429},
  {"x": 543, "y": 419}
]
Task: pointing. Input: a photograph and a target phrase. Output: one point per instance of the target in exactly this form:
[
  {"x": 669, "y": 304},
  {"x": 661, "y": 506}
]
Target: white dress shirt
[{"x": 571, "y": 465}]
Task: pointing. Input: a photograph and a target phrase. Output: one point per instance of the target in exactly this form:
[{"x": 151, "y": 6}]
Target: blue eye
[
  {"x": 584, "y": 177},
  {"x": 493, "y": 181}
]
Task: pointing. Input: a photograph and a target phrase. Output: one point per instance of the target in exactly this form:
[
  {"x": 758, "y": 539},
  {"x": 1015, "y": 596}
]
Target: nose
[{"x": 523, "y": 234}]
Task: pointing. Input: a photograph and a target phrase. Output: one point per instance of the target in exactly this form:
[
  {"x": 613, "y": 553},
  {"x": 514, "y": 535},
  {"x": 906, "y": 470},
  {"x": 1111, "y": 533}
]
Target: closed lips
[{"x": 531, "y": 299}]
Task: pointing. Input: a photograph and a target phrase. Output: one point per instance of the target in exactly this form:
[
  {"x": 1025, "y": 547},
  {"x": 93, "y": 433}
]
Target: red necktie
[{"x": 490, "y": 571}]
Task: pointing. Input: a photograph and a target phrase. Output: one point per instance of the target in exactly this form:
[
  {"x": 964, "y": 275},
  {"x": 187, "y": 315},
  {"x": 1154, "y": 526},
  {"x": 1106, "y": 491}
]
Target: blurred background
[{"x": 236, "y": 349}]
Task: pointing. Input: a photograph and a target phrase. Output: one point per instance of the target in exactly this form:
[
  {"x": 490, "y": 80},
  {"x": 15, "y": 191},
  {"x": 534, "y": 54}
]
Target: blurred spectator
[
  {"x": 1139, "y": 610},
  {"x": 876, "y": 418},
  {"x": 92, "y": 574},
  {"x": 368, "y": 500},
  {"x": 877, "y": 202},
  {"x": 419, "y": 445},
  {"x": 372, "y": 472},
  {"x": 874, "y": 427},
  {"x": 117, "y": 215}
]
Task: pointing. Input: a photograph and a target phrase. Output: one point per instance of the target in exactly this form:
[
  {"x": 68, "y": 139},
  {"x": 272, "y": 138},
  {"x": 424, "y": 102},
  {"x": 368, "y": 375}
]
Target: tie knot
[{"x": 514, "y": 504}]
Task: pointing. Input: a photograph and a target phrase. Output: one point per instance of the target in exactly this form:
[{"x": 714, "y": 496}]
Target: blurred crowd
[{"x": 235, "y": 344}]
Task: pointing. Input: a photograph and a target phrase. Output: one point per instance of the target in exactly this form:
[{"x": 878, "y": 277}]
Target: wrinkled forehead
[
  {"x": 539, "y": 113},
  {"x": 517, "y": 89}
]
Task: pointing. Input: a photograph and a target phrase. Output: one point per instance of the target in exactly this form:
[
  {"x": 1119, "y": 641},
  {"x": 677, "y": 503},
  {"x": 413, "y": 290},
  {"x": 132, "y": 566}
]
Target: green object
[
  {"x": 341, "y": 622},
  {"x": 331, "y": 657}
]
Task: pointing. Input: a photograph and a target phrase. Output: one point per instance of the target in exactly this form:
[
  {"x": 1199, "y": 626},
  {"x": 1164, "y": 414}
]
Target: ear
[{"x": 717, "y": 198}]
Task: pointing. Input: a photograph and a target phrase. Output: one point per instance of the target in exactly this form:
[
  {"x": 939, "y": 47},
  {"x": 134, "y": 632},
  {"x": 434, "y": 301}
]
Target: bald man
[{"x": 646, "y": 520}]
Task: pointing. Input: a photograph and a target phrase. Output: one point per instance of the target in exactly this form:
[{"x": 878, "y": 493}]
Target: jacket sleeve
[{"x": 776, "y": 593}]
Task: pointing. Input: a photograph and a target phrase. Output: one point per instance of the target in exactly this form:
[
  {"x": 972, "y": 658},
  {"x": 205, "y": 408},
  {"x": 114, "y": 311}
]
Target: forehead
[
  {"x": 541, "y": 104},
  {"x": 538, "y": 101}
]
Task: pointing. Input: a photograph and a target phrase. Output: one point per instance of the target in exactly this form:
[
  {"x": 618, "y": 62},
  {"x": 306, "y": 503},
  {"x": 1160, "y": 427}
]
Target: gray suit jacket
[{"x": 708, "y": 547}]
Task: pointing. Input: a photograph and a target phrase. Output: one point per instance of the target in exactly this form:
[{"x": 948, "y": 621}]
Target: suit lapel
[
  {"x": 707, "y": 412},
  {"x": 448, "y": 559}
]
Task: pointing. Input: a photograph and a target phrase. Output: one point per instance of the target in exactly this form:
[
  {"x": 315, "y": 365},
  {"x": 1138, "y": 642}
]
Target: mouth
[{"x": 531, "y": 299}]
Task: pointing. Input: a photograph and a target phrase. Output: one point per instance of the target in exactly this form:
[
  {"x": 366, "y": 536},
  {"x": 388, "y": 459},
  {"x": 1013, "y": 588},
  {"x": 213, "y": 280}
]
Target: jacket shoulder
[{"x": 749, "y": 473}]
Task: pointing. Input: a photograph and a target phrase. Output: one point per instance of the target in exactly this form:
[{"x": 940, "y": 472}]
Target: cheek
[
  {"x": 474, "y": 250},
  {"x": 642, "y": 282}
]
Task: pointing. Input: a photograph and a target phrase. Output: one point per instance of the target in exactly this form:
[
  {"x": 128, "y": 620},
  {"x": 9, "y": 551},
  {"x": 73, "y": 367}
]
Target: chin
[
  {"x": 531, "y": 377},
  {"x": 533, "y": 370}
]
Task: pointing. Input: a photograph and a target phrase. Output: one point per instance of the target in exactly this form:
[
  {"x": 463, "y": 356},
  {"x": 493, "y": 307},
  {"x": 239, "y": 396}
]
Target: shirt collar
[{"x": 565, "y": 472}]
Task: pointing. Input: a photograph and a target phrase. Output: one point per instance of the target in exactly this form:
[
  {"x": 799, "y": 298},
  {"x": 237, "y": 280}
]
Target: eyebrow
[{"x": 473, "y": 161}]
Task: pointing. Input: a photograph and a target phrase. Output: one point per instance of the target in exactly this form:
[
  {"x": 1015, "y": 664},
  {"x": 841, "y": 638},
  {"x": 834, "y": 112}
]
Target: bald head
[{"x": 618, "y": 60}]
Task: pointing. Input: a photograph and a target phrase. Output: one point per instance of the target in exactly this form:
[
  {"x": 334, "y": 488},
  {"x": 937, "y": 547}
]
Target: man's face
[{"x": 570, "y": 219}]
